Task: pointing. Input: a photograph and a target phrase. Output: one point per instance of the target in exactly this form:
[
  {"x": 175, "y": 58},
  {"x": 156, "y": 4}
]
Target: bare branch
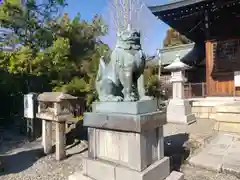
[{"x": 120, "y": 13}]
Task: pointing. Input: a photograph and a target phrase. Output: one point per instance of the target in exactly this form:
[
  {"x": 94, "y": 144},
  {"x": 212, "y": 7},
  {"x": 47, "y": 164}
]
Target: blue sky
[{"x": 154, "y": 34}]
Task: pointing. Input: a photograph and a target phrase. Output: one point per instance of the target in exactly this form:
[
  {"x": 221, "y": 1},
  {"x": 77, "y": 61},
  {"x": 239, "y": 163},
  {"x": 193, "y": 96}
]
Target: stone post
[
  {"x": 179, "y": 109},
  {"x": 47, "y": 136},
  {"x": 60, "y": 141},
  {"x": 125, "y": 142}
]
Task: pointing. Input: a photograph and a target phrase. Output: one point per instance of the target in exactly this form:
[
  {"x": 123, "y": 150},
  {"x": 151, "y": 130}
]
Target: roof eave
[
  {"x": 177, "y": 47},
  {"x": 172, "y": 5}
]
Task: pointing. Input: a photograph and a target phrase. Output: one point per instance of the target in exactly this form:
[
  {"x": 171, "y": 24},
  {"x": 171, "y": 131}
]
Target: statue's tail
[{"x": 101, "y": 68}]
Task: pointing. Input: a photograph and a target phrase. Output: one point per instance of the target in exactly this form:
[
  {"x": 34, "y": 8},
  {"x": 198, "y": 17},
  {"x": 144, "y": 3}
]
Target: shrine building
[{"x": 213, "y": 25}]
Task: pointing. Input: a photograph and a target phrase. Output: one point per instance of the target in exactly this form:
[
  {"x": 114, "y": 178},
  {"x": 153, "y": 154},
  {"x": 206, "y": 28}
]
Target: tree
[
  {"x": 151, "y": 79},
  {"x": 26, "y": 21},
  {"x": 51, "y": 52},
  {"x": 174, "y": 38}
]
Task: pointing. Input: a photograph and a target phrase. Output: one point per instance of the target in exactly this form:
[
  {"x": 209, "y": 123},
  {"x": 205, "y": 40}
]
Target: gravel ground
[
  {"x": 26, "y": 164},
  {"x": 193, "y": 173},
  {"x": 25, "y": 161}
]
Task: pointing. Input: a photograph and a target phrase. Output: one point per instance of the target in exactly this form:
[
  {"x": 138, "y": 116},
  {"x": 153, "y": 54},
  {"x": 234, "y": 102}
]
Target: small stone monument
[
  {"x": 179, "y": 109},
  {"x": 54, "y": 107},
  {"x": 125, "y": 129},
  {"x": 30, "y": 109}
]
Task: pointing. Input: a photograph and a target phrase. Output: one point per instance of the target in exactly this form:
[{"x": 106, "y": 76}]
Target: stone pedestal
[
  {"x": 179, "y": 112},
  {"x": 47, "y": 136},
  {"x": 179, "y": 109},
  {"x": 125, "y": 142}
]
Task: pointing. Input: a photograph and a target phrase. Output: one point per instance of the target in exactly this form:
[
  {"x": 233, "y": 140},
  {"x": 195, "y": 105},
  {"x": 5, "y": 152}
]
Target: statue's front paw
[
  {"x": 118, "y": 98},
  {"x": 129, "y": 98},
  {"x": 111, "y": 98},
  {"x": 114, "y": 98},
  {"x": 144, "y": 98}
]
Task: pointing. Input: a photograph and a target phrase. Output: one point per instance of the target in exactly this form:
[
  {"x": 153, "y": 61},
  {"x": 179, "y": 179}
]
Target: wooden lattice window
[{"x": 226, "y": 56}]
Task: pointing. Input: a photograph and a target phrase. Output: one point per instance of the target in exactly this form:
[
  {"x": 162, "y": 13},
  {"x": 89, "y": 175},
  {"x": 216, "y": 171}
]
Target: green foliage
[
  {"x": 151, "y": 79},
  {"x": 50, "y": 52},
  {"x": 174, "y": 38}
]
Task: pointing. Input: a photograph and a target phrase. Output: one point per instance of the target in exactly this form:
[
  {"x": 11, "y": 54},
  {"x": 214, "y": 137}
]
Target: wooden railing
[{"x": 192, "y": 90}]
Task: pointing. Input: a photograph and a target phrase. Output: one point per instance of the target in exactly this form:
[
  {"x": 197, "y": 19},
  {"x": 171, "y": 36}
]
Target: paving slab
[
  {"x": 200, "y": 132},
  {"x": 206, "y": 161},
  {"x": 222, "y": 138},
  {"x": 231, "y": 166},
  {"x": 219, "y": 152},
  {"x": 222, "y": 154}
]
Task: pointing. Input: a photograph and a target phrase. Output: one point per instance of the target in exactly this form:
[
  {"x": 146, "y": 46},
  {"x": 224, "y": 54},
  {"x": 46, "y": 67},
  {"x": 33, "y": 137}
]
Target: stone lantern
[
  {"x": 179, "y": 109},
  {"x": 54, "y": 107}
]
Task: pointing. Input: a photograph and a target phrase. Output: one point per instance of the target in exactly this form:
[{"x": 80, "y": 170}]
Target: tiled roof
[
  {"x": 55, "y": 97},
  {"x": 168, "y": 54}
]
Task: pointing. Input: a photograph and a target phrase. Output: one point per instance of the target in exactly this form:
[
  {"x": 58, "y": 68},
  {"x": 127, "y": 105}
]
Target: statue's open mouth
[{"x": 133, "y": 40}]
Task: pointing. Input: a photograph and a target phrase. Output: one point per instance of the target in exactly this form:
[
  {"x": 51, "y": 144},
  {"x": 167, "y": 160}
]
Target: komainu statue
[{"x": 122, "y": 78}]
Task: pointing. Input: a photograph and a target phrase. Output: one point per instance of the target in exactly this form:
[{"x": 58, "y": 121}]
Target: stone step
[
  {"x": 227, "y": 127},
  {"x": 206, "y": 108},
  {"x": 233, "y": 107},
  {"x": 209, "y": 103},
  {"x": 227, "y": 117}
]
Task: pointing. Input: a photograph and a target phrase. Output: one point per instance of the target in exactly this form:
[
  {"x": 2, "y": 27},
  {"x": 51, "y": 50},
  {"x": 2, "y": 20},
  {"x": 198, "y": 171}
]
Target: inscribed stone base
[
  {"x": 179, "y": 111},
  {"x": 103, "y": 170},
  {"x": 134, "y": 150}
]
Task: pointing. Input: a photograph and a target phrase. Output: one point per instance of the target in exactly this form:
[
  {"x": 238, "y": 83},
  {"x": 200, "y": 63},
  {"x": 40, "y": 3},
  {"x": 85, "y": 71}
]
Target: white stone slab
[
  {"x": 175, "y": 176},
  {"x": 138, "y": 107},
  {"x": 179, "y": 112}
]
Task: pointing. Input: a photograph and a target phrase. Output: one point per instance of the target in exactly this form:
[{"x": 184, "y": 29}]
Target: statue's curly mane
[{"x": 129, "y": 39}]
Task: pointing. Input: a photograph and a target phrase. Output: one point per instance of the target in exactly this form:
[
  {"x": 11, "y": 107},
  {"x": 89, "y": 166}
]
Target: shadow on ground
[
  {"x": 10, "y": 139},
  {"x": 174, "y": 147},
  {"x": 76, "y": 134},
  {"x": 23, "y": 159},
  {"x": 20, "y": 161}
]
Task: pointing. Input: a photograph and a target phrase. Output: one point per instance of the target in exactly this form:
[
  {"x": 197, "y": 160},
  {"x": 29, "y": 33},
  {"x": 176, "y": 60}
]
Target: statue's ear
[{"x": 118, "y": 34}]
